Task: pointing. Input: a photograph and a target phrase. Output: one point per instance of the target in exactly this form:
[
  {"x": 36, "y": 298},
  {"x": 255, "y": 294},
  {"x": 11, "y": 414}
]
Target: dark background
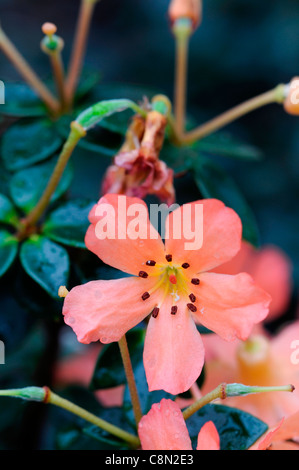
[{"x": 243, "y": 48}]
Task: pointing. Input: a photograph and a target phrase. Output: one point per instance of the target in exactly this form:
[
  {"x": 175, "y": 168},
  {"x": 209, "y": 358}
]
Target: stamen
[
  {"x": 172, "y": 279},
  {"x": 195, "y": 281},
  {"x": 192, "y": 297},
  {"x": 143, "y": 274},
  {"x": 150, "y": 262},
  {"x": 185, "y": 265},
  {"x": 145, "y": 296},
  {"x": 155, "y": 312},
  {"x": 174, "y": 310},
  {"x": 192, "y": 307},
  {"x": 168, "y": 258}
]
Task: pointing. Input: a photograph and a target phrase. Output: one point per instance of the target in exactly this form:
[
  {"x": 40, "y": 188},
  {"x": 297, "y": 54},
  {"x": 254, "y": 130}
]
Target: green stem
[
  {"x": 79, "y": 47},
  {"x": 277, "y": 95},
  {"x": 125, "y": 355},
  {"x": 232, "y": 390},
  {"x": 28, "y": 73},
  {"x": 182, "y": 30},
  {"x": 45, "y": 395},
  {"x": 91, "y": 418},
  {"x": 76, "y": 133}
]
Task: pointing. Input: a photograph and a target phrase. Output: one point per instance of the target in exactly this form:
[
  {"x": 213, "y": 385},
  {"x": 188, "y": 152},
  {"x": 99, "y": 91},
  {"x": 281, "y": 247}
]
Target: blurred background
[{"x": 242, "y": 48}]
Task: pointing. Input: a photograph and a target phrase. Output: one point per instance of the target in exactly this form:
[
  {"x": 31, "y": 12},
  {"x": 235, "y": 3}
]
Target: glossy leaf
[
  {"x": 8, "y": 213},
  {"x": 214, "y": 182},
  {"x": 8, "y": 250},
  {"x": 27, "y": 186},
  {"x": 69, "y": 222},
  {"x": 225, "y": 145},
  {"x": 27, "y": 142},
  {"x": 21, "y": 101},
  {"x": 45, "y": 262},
  {"x": 238, "y": 430},
  {"x": 109, "y": 370}
]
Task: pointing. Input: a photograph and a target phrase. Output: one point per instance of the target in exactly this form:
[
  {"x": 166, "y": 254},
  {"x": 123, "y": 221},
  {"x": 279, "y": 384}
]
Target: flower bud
[
  {"x": 291, "y": 104},
  {"x": 191, "y": 9}
]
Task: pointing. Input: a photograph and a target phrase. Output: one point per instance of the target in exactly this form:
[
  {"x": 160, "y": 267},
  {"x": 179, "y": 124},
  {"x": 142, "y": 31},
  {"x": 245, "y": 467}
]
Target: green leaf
[
  {"x": 21, "y": 101},
  {"x": 214, "y": 182},
  {"x": 180, "y": 159},
  {"x": 227, "y": 146},
  {"x": 238, "y": 430},
  {"x": 147, "y": 399},
  {"x": 8, "y": 250},
  {"x": 109, "y": 370},
  {"x": 27, "y": 142},
  {"x": 88, "y": 80},
  {"x": 95, "y": 113},
  {"x": 69, "y": 222},
  {"x": 113, "y": 415},
  {"x": 27, "y": 186},
  {"x": 8, "y": 214},
  {"x": 45, "y": 262}
]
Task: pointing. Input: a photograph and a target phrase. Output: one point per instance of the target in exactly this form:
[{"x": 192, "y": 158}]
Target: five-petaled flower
[
  {"x": 164, "y": 428},
  {"x": 173, "y": 285}
]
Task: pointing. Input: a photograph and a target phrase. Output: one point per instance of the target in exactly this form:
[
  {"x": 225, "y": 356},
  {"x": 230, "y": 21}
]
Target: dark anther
[
  {"x": 174, "y": 310},
  {"x": 155, "y": 312},
  {"x": 192, "y": 307},
  {"x": 142, "y": 274},
  {"x": 150, "y": 263},
  {"x": 195, "y": 281},
  {"x": 168, "y": 258},
  {"x": 185, "y": 265},
  {"x": 192, "y": 297},
  {"x": 145, "y": 296}
]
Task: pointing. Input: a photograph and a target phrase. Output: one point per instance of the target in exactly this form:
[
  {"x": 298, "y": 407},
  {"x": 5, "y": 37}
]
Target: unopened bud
[
  {"x": 236, "y": 390},
  {"x": 191, "y": 9},
  {"x": 291, "y": 104},
  {"x": 27, "y": 393},
  {"x": 62, "y": 291}
]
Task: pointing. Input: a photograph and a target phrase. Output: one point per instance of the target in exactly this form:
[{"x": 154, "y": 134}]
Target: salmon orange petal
[
  {"x": 221, "y": 231},
  {"x": 121, "y": 234},
  {"x": 173, "y": 350},
  {"x": 208, "y": 437},
  {"x": 106, "y": 310},
  {"x": 230, "y": 305},
  {"x": 164, "y": 428}
]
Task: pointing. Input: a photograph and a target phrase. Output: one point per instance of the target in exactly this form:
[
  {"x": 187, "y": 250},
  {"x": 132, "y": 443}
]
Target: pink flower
[
  {"x": 270, "y": 268},
  {"x": 164, "y": 428},
  {"x": 283, "y": 436},
  {"x": 169, "y": 282},
  {"x": 137, "y": 170},
  {"x": 259, "y": 361}
]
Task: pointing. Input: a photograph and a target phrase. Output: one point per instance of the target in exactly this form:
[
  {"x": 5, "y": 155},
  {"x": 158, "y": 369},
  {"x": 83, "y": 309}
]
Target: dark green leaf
[
  {"x": 114, "y": 416},
  {"x": 180, "y": 159},
  {"x": 147, "y": 399},
  {"x": 8, "y": 214},
  {"x": 27, "y": 186},
  {"x": 21, "y": 101},
  {"x": 8, "y": 250},
  {"x": 109, "y": 369},
  {"x": 238, "y": 430},
  {"x": 225, "y": 145},
  {"x": 214, "y": 182},
  {"x": 27, "y": 142},
  {"x": 88, "y": 81},
  {"x": 46, "y": 262},
  {"x": 69, "y": 222}
]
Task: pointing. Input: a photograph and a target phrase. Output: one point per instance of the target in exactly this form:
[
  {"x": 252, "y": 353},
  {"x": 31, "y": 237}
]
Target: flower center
[
  {"x": 173, "y": 281},
  {"x": 255, "y": 362}
]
